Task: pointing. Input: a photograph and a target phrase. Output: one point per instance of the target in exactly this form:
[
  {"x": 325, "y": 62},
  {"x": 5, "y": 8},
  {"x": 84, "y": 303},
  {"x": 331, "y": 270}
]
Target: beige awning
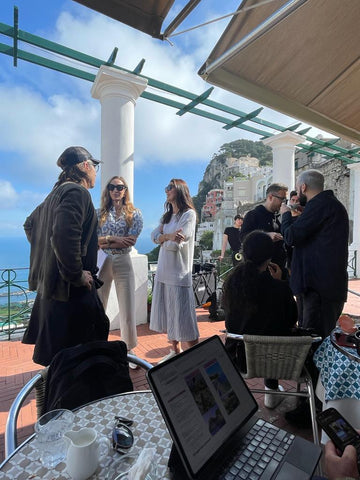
[
  {"x": 144, "y": 15},
  {"x": 300, "y": 57}
]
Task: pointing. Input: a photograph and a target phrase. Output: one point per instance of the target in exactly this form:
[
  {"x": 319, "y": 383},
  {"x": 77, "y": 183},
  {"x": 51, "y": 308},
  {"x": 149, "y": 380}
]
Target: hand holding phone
[{"x": 339, "y": 430}]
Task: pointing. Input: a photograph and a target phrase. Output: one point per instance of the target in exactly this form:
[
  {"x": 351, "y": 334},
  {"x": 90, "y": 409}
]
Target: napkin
[{"x": 143, "y": 465}]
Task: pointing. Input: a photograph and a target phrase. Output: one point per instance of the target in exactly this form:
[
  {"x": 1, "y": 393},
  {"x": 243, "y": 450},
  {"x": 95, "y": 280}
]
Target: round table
[
  {"x": 149, "y": 430},
  {"x": 339, "y": 379}
]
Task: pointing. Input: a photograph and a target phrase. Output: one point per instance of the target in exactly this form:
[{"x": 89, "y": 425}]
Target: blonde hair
[{"x": 106, "y": 203}]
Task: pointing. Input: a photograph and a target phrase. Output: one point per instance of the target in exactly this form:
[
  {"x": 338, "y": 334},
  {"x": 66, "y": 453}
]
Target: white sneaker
[
  {"x": 272, "y": 401},
  {"x": 133, "y": 366},
  {"x": 171, "y": 354}
]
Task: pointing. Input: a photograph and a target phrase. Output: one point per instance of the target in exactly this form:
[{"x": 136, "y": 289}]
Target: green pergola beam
[
  {"x": 16, "y": 34},
  {"x": 202, "y": 113},
  {"x": 326, "y": 153},
  {"x": 195, "y": 102},
  {"x": 45, "y": 62},
  {"x": 249, "y": 116},
  {"x": 112, "y": 57},
  {"x": 139, "y": 67},
  {"x": 291, "y": 128},
  {"x": 302, "y": 132}
]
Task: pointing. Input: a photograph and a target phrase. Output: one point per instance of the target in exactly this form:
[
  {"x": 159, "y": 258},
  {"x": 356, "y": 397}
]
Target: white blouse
[{"x": 175, "y": 261}]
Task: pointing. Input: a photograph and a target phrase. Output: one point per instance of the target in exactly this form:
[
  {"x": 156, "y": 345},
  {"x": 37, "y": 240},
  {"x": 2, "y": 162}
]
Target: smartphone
[{"x": 339, "y": 430}]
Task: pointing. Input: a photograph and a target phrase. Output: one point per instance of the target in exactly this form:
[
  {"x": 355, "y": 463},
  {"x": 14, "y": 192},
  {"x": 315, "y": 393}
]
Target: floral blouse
[{"x": 118, "y": 226}]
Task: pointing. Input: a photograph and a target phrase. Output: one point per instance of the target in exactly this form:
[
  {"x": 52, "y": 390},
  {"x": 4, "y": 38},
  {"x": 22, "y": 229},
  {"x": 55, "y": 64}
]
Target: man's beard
[{"x": 302, "y": 199}]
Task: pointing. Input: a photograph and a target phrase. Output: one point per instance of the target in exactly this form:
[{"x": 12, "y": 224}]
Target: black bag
[{"x": 87, "y": 372}]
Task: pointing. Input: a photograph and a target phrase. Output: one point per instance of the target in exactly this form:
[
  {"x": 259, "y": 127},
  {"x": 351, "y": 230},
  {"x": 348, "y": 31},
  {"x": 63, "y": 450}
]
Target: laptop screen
[{"x": 203, "y": 399}]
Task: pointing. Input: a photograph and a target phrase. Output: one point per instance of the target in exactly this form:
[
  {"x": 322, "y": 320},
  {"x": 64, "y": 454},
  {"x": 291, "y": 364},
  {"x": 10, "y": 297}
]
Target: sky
[{"x": 42, "y": 111}]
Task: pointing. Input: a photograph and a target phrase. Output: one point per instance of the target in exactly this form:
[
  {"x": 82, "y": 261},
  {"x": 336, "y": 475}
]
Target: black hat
[{"x": 74, "y": 155}]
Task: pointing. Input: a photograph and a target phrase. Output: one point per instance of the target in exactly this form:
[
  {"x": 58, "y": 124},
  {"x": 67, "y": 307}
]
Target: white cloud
[
  {"x": 39, "y": 129},
  {"x": 8, "y": 195}
]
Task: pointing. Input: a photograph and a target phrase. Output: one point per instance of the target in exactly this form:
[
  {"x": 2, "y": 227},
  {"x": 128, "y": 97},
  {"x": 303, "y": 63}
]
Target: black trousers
[{"x": 317, "y": 312}]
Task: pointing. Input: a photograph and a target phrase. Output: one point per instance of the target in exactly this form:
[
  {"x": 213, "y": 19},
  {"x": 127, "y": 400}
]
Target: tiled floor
[{"x": 17, "y": 368}]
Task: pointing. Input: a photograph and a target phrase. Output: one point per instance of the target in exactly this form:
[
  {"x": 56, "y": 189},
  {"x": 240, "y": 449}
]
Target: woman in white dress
[
  {"x": 173, "y": 304},
  {"x": 120, "y": 223}
]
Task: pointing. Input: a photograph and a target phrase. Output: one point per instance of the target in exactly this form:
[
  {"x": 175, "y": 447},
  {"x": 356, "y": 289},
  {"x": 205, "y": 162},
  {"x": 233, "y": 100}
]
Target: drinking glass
[{"x": 50, "y": 429}]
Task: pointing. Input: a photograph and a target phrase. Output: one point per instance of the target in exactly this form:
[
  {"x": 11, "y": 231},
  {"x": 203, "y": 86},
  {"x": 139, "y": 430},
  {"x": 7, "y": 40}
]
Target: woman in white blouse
[
  {"x": 120, "y": 223},
  {"x": 173, "y": 304}
]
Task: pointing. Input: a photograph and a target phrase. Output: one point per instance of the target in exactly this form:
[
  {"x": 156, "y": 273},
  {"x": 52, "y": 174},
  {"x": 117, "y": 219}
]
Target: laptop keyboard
[{"x": 260, "y": 453}]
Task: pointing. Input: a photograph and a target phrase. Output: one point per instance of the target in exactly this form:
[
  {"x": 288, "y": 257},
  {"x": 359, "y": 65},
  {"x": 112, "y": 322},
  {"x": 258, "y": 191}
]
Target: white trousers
[{"x": 118, "y": 268}]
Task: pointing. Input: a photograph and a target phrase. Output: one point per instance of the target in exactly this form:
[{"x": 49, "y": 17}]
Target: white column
[
  {"x": 355, "y": 210},
  {"x": 283, "y": 146},
  {"x": 118, "y": 92}
]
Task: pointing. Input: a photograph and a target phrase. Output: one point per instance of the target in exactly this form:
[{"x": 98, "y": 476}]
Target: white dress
[{"x": 173, "y": 302}]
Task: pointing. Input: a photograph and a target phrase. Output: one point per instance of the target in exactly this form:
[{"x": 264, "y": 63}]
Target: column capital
[
  {"x": 284, "y": 139},
  {"x": 111, "y": 82},
  {"x": 354, "y": 166}
]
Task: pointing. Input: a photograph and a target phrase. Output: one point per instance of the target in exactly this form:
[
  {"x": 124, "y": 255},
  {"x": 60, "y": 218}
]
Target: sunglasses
[
  {"x": 283, "y": 199},
  {"x": 169, "y": 187},
  {"x": 95, "y": 165},
  {"x": 122, "y": 437},
  {"x": 119, "y": 188}
]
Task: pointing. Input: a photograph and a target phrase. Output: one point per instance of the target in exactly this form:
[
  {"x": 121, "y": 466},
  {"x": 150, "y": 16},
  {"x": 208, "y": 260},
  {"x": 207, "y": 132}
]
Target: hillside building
[{"x": 212, "y": 205}]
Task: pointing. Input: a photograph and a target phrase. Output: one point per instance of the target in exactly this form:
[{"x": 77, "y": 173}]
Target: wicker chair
[
  {"x": 38, "y": 383},
  {"x": 280, "y": 358}
]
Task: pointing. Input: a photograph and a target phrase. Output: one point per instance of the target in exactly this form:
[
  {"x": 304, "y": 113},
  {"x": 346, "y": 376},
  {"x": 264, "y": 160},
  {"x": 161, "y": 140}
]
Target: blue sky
[{"x": 42, "y": 111}]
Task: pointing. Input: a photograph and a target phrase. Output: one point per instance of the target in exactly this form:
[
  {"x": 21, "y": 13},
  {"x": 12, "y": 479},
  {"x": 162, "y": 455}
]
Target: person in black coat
[
  {"x": 266, "y": 218},
  {"x": 319, "y": 264},
  {"x": 63, "y": 237}
]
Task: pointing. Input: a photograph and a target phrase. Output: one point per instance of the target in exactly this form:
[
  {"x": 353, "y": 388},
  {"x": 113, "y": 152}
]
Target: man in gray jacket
[{"x": 62, "y": 232}]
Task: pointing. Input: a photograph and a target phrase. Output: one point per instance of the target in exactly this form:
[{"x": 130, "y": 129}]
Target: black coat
[
  {"x": 320, "y": 239},
  {"x": 276, "y": 308},
  {"x": 63, "y": 237}
]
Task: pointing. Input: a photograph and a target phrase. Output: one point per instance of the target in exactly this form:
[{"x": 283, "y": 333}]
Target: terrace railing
[{"x": 16, "y": 301}]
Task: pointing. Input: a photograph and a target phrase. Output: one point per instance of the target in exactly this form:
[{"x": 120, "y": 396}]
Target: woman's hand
[
  {"x": 275, "y": 271},
  {"x": 112, "y": 241},
  {"x": 177, "y": 236},
  {"x": 103, "y": 243}
]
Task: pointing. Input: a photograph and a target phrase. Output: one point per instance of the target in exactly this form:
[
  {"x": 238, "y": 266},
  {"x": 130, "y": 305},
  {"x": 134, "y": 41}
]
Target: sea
[
  {"x": 15, "y": 251},
  {"x": 15, "y": 255}
]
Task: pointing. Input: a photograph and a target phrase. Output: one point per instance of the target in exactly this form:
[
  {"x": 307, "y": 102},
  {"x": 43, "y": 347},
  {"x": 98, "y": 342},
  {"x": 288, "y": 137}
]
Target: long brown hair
[
  {"x": 106, "y": 203},
  {"x": 183, "y": 200}
]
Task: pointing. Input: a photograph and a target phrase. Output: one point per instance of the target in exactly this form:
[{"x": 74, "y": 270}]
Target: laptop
[{"x": 211, "y": 416}]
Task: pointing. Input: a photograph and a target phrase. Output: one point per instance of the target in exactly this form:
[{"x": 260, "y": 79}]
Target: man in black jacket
[
  {"x": 62, "y": 232},
  {"x": 264, "y": 217},
  {"x": 319, "y": 264}
]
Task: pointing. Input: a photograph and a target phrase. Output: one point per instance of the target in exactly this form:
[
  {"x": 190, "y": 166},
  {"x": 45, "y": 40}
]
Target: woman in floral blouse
[{"x": 120, "y": 223}]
